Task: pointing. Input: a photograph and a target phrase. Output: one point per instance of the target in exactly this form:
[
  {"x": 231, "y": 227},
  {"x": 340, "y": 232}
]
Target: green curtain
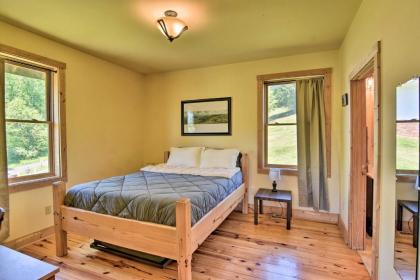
[
  {"x": 4, "y": 191},
  {"x": 312, "y": 160}
]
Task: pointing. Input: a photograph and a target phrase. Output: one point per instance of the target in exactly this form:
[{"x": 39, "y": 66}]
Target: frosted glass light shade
[{"x": 171, "y": 26}]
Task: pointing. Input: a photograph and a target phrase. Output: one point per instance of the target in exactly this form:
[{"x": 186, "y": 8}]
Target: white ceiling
[{"x": 220, "y": 31}]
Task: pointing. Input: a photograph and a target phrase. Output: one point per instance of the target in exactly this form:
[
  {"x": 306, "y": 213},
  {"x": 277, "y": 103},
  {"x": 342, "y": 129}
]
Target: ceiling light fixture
[{"x": 171, "y": 26}]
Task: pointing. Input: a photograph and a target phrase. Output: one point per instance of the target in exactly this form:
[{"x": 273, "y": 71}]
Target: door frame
[{"x": 357, "y": 193}]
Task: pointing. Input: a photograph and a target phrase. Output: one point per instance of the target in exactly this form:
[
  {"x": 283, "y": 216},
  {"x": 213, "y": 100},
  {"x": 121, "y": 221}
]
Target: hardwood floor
[
  {"x": 405, "y": 256},
  {"x": 236, "y": 250}
]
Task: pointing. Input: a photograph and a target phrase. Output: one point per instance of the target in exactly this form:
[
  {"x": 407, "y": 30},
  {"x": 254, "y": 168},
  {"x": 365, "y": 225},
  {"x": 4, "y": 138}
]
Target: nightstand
[{"x": 279, "y": 196}]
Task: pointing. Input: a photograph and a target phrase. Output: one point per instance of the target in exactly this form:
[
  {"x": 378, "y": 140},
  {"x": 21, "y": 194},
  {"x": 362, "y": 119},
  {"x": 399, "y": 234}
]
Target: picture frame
[{"x": 212, "y": 116}]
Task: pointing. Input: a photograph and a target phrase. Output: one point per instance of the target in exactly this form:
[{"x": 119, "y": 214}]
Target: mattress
[{"x": 151, "y": 196}]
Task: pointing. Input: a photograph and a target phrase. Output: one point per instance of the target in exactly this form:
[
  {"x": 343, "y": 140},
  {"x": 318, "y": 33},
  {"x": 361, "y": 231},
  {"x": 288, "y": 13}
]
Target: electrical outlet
[{"x": 48, "y": 210}]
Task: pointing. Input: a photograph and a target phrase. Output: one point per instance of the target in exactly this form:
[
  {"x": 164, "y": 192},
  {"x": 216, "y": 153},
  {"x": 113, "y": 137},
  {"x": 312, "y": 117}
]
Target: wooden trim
[
  {"x": 356, "y": 228},
  {"x": 22, "y": 241},
  {"x": 343, "y": 230},
  {"x": 261, "y": 80},
  {"x": 302, "y": 214},
  {"x": 41, "y": 60},
  {"x": 62, "y": 123},
  {"x": 328, "y": 118},
  {"x": 33, "y": 184},
  {"x": 377, "y": 183},
  {"x": 294, "y": 74}
]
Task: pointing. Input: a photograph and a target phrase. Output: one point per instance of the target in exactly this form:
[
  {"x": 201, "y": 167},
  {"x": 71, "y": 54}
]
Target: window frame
[
  {"x": 267, "y": 124},
  {"x": 262, "y": 82},
  {"x": 56, "y": 116}
]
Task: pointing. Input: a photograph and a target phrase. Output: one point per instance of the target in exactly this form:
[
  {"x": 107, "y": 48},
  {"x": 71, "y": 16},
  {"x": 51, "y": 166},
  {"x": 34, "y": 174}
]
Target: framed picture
[{"x": 206, "y": 117}]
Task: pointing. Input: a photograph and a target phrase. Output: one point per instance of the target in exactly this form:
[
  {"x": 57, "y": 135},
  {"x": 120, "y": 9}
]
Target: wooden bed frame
[{"x": 177, "y": 243}]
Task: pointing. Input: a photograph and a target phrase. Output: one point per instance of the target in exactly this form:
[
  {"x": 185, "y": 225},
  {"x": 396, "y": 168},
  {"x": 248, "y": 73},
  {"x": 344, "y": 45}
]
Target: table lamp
[{"x": 275, "y": 176}]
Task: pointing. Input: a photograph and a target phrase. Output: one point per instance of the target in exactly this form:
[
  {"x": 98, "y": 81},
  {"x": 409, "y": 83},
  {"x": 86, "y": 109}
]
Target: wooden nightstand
[
  {"x": 267, "y": 194},
  {"x": 412, "y": 207}
]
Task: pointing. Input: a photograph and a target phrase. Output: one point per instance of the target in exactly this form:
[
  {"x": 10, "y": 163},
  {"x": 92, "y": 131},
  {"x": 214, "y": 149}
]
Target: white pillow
[
  {"x": 187, "y": 157},
  {"x": 226, "y": 158}
]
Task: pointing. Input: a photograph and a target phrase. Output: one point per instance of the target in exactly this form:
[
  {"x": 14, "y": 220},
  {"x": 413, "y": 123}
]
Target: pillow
[
  {"x": 226, "y": 158},
  {"x": 187, "y": 157}
]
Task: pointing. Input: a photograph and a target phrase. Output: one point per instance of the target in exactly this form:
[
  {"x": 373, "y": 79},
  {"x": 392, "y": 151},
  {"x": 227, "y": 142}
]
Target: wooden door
[{"x": 358, "y": 165}]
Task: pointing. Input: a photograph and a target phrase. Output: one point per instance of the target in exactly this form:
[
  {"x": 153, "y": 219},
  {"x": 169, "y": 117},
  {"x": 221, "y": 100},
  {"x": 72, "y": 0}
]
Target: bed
[{"x": 163, "y": 214}]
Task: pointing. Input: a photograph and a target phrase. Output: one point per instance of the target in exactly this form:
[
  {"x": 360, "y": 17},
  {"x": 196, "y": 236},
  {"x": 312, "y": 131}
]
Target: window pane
[
  {"x": 408, "y": 100},
  {"x": 27, "y": 149},
  {"x": 25, "y": 92},
  {"x": 407, "y": 146},
  {"x": 282, "y": 145},
  {"x": 281, "y": 102}
]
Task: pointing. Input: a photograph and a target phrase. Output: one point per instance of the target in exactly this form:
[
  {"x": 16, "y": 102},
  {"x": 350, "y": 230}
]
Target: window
[
  {"x": 277, "y": 120},
  {"x": 28, "y": 121},
  {"x": 407, "y": 126},
  {"x": 34, "y": 117},
  {"x": 281, "y": 124}
]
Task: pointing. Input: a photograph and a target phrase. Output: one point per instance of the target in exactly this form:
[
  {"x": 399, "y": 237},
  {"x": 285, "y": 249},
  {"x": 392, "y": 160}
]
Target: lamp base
[{"x": 274, "y": 189}]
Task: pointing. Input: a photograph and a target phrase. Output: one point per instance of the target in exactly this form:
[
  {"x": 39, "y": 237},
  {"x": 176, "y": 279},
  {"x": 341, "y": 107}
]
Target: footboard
[{"x": 161, "y": 240}]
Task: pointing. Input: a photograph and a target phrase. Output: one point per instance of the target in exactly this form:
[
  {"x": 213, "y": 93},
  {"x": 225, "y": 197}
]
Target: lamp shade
[
  {"x": 171, "y": 26},
  {"x": 274, "y": 174}
]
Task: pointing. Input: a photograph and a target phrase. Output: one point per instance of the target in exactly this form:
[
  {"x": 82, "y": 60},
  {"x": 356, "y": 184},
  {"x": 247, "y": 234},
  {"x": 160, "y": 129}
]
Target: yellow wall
[
  {"x": 165, "y": 92},
  {"x": 396, "y": 24},
  {"x": 104, "y": 123}
]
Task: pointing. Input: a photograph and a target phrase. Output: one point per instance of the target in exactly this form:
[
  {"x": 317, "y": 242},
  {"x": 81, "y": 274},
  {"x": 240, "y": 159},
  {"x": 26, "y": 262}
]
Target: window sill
[
  {"x": 34, "y": 184},
  {"x": 285, "y": 172},
  {"x": 406, "y": 178}
]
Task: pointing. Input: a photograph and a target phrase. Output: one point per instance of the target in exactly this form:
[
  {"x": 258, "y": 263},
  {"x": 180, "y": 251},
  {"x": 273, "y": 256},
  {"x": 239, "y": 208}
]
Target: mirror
[{"x": 407, "y": 166}]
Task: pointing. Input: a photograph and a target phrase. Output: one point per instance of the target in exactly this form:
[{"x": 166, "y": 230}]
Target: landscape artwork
[{"x": 206, "y": 116}]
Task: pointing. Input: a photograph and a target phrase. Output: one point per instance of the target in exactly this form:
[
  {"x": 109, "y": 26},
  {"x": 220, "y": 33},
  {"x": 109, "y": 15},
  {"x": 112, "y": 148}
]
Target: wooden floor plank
[
  {"x": 236, "y": 250},
  {"x": 405, "y": 256}
]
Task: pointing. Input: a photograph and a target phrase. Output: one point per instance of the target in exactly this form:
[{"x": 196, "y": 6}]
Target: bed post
[
  {"x": 59, "y": 192},
  {"x": 165, "y": 156},
  {"x": 183, "y": 231},
  {"x": 245, "y": 174}
]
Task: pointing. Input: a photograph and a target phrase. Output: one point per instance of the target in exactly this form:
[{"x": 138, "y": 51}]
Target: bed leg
[
  {"x": 245, "y": 174},
  {"x": 59, "y": 192},
  {"x": 245, "y": 204},
  {"x": 183, "y": 231}
]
